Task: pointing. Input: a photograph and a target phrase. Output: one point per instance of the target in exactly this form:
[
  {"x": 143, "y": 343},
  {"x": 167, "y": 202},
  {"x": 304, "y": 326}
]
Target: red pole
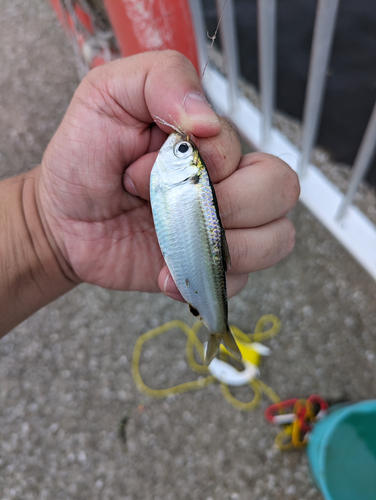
[{"x": 144, "y": 25}]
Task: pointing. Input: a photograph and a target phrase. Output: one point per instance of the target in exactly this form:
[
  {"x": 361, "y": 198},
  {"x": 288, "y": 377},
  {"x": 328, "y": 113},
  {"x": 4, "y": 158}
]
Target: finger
[
  {"x": 235, "y": 283},
  {"x": 136, "y": 177},
  {"x": 222, "y": 153},
  {"x": 258, "y": 248},
  {"x": 167, "y": 285},
  {"x": 157, "y": 138},
  {"x": 262, "y": 189}
]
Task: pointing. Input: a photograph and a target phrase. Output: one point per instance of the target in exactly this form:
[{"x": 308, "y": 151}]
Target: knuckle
[
  {"x": 242, "y": 256},
  {"x": 289, "y": 234},
  {"x": 97, "y": 77},
  {"x": 290, "y": 187},
  {"x": 241, "y": 260},
  {"x": 286, "y": 179},
  {"x": 225, "y": 204},
  {"x": 221, "y": 153},
  {"x": 236, "y": 283},
  {"x": 174, "y": 59}
]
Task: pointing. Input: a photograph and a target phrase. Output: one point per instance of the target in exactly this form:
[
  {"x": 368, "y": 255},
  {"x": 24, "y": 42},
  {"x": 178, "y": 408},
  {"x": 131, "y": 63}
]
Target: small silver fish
[{"x": 191, "y": 236}]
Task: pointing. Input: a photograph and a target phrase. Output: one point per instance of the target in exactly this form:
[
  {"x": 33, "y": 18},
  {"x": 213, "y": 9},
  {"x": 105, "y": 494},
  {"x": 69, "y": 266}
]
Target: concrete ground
[{"x": 65, "y": 376}]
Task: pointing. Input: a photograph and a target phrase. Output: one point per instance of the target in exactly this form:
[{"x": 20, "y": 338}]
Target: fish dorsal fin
[{"x": 226, "y": 251}]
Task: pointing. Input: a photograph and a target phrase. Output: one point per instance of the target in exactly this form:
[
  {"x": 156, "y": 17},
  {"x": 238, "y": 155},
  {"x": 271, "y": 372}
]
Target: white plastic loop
[{"x": 229, "y": 375}]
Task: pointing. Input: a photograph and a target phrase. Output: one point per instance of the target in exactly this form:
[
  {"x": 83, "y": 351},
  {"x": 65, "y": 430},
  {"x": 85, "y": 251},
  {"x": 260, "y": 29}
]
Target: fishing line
[
  {"x": 175, "y": 127},
  {"x": 212, "y": 38}
]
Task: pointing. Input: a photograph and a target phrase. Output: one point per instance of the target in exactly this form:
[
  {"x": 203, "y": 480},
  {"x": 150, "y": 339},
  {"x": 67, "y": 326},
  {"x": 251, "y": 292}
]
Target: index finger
[
  {"x": 263, "y": 188},
  {"x": 221, "y": 153}
]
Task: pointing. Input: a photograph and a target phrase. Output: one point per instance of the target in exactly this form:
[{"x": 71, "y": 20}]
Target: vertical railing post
[
  {"x": 226, "y": 11},
  {"x": 361, "y": 164},
  {"x": 267, "y": 11},
  {"x": 199, "y": 28},
  {"x": 321, "y": 46}
]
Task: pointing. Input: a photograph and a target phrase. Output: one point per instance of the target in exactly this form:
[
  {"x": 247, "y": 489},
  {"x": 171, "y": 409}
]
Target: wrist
[{"x": 31, "y": 274}]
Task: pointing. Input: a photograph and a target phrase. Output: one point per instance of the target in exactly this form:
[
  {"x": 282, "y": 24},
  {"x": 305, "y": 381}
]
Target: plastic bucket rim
[{"x": 346, "y": 410}]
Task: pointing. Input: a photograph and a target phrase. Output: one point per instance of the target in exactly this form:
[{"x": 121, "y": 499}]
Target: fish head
[{"x": 178, "y": 158}]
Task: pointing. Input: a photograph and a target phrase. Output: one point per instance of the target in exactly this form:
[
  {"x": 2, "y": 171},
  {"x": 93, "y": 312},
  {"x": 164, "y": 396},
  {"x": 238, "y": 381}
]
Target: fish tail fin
[
  {"x": 213, "y": 346},
  {"x": 231, "y": 345}
]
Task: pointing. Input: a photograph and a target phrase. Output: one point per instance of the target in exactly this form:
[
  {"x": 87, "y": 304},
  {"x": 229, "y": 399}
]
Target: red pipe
[{"x": 144, "y": 25}]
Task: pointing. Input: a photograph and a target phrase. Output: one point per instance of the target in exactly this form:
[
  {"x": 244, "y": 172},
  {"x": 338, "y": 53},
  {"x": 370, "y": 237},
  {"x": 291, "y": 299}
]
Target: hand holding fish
[{"x": 84, "y": 214}]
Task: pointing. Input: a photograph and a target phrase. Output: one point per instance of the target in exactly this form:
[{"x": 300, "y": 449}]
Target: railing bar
[
  {"x": 320, "y": 196},
  {"x": 267, "y": 10},
  {"x": 321, "y": 47},
  {"x": 361, "y": 164},
  {"x": 229, "y": 46},
  {"x": 199, "y": 26}
]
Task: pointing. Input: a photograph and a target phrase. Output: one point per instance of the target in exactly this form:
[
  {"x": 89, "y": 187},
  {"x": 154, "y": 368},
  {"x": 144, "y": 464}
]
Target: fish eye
[{"x": 183, "y": 149}]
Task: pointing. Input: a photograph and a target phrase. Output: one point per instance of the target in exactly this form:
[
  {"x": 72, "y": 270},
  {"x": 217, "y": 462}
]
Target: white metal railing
[
  {"x": 335, "y": 210},
  {"x": 267, "y": 15}
]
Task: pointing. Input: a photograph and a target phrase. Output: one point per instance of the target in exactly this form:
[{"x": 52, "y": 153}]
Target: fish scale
[{"x": 190, "y": 235}]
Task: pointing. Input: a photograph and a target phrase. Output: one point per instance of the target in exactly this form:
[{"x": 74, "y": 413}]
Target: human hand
[{"x": 93, "y": 184}]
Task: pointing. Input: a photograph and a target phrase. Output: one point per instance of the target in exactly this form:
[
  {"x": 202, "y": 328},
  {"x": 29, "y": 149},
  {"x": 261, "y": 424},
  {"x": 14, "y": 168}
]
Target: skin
[{"x": 84, "y": 214}]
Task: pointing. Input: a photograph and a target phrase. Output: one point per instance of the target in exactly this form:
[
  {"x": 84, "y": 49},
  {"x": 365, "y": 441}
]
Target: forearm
[{"x": 30, "y": 273}]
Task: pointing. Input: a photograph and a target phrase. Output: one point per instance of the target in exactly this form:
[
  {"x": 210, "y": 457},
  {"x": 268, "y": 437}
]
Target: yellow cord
[
  {"x": 187, "y": 386},
  {"x": 240, "y": 405},
  {"x": 194, "y": 343},
  {"x": 283, "y": 441},
  {"x": 289, "y": 438},
  {"x": 268, "y": 391},
  {"x": 260, "y": 335}
]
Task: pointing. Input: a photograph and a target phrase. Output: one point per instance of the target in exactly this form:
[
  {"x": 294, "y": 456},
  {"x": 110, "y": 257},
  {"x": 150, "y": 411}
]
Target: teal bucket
[{"x": 342, "y": 452}]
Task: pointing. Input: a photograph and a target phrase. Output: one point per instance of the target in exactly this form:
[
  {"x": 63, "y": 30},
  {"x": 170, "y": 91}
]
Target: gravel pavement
[{"x": 65, "y": 373}]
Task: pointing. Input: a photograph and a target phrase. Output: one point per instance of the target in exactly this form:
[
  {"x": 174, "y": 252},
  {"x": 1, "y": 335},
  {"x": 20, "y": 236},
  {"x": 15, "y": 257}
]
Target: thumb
[
  {"x": 161, "y": 84},
  {"x": 173, "y": 92}
]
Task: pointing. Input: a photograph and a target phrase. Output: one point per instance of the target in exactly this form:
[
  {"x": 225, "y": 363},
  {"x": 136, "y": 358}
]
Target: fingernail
[
  {"x": 198, "y": 109},
  {"x": 169, "y": 285},
  {"x": 169, "y": 288},
  {"x": 129, "y": 186}
]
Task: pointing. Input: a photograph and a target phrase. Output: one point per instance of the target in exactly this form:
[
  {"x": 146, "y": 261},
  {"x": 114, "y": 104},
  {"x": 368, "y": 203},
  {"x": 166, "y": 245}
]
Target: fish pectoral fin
[
  {"x": 212, "y": 348},
  {"x": 231, "y": 345}
]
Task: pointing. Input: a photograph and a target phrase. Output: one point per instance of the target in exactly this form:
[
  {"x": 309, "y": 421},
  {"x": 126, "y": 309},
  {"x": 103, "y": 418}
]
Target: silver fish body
[{"x": 191, "y": 236}]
